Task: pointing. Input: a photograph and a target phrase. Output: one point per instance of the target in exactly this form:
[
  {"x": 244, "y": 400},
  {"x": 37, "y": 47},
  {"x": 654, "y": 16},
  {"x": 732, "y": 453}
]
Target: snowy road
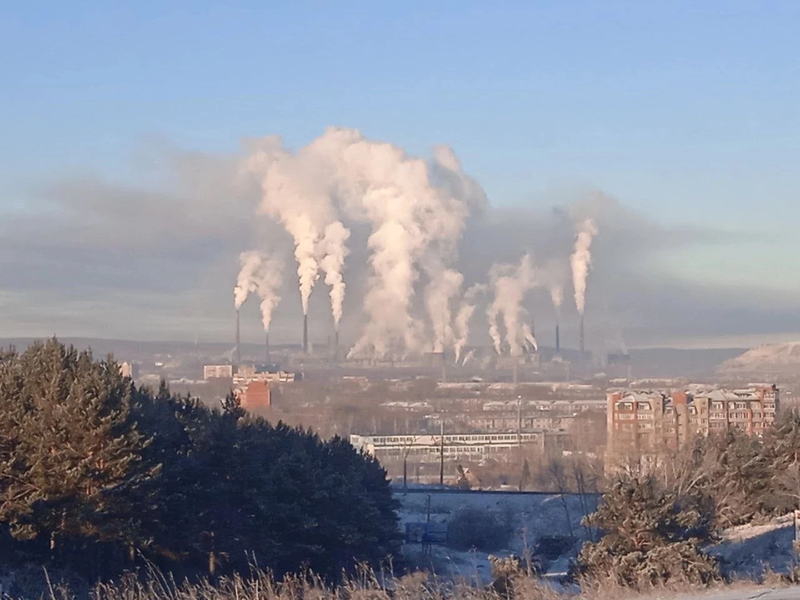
[{"x": 753, "y": 593}]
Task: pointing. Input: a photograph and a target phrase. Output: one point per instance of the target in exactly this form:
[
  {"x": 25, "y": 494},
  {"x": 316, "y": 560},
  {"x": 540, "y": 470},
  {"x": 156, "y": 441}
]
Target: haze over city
[
  {"x": 671, "y": 127},
  {"x": 402, "y": 301}
]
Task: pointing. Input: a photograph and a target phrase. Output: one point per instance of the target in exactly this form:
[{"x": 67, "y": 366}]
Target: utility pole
[{"x": 441, "y": 454}]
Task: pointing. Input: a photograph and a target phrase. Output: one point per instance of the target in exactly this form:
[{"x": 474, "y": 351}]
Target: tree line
[
  {"x": 658, "y": 523},
  {"x": 97, "y": 474}
]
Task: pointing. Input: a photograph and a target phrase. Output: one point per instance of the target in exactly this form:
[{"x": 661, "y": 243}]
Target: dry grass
[{"x": 366, "y": 585}]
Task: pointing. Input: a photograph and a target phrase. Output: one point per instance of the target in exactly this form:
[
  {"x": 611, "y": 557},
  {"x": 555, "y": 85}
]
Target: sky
[{"x": 686, "y": 113}]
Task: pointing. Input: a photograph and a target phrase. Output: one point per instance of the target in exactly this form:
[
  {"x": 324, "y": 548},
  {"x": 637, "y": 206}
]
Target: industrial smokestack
[
  {"x": 267, "y": 354},
  {"x": 558, "y": 340},
  {"x": 238, "y": 348},
  {"x": 305, "y": 334},
  {"x": 514, "y": 372},
  {"x": 581, "y": 343},
  {"x": 336, "y": 346}
]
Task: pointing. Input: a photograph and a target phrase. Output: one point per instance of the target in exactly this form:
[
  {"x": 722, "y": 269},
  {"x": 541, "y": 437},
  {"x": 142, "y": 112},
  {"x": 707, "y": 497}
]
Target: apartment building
[
  {"x": 217, "y": 371},
  {"x": 646, "y": 421}
]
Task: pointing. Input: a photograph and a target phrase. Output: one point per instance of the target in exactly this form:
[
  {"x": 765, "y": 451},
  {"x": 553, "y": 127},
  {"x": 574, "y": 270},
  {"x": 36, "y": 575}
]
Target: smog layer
[{"x": 398, "y": 254}]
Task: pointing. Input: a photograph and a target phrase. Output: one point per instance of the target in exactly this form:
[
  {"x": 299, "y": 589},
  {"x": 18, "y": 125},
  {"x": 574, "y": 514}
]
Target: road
[{"x": 749, "y": 593}]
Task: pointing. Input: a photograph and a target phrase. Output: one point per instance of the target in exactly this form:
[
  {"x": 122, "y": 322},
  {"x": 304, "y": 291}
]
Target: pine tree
[
  {"x": 77, "y": 451},
  {"x": 651, "y": 537}
]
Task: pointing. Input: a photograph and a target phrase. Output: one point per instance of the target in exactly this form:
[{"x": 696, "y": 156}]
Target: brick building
[
  {"x": 643, "y": 422},
  {"x": 255, "y": 395}
]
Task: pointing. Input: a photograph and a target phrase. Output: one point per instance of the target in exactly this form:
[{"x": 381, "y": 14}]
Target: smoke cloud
[
  {"x": 296, "y": 191},
  {"x": 527, "y": 335},
  {"x": 268, "y": 283},
  {"x": 260, "y": 274},
  {"x": 581, "y": 261},
  {"x": 375, "y": 192},
  {"x": 439, "y": 295},
  {"x": 417, "y": 211},
  {"x": 510, "y": 284},
  {"x": 249, "y": 263},
  {"x": 463, "y": 316},
  {"x": 333, "y": 254}
]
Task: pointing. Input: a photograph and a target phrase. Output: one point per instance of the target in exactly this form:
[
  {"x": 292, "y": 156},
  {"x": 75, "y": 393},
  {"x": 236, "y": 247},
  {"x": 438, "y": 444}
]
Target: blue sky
[{"x": 688, "y": 112}]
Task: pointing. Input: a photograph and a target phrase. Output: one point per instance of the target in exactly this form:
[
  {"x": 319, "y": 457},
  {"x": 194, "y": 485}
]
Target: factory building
[
  {"x": 458, "y": 446},
  {"x": 646, "y": 422}
]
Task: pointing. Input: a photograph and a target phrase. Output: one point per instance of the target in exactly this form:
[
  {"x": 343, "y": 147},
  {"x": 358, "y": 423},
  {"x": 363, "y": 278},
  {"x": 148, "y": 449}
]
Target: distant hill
[
  {"x": 675, "y": 362},
  {"x": 779, "y": 359},
  {"x": 145, "y": 351}
]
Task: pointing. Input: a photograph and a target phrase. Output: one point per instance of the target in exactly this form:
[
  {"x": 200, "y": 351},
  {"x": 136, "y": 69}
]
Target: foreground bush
[
  {"x": 479, "y": 529},
  {"x": 95, "y": 473},
  {"x": 651, "y": 538}
]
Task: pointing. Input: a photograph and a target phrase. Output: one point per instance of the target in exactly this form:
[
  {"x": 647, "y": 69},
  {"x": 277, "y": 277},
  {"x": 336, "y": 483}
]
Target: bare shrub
[{"x": 480, "y": 529}]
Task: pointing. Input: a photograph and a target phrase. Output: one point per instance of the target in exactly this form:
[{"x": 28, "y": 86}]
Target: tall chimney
[
  {"x": 267, "y": 355},
  {"x": 305, "y": 334},
  {"x": 558, "y": 340},
  {"x": 238, "y": 348},
  {"x": 514, "y": 371},
  {"x": 581, "y": 343},
  {"x": 336, "y": 345}
]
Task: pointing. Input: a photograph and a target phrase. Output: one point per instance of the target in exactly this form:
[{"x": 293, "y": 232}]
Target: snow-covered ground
[
  {"x": 750, "y": 549},
  {"x": 765, "y": 359},
  {"x": 747, "y": 552},
  {"x": 530, "y": 517},
  {"x": 739, "y": 593}
]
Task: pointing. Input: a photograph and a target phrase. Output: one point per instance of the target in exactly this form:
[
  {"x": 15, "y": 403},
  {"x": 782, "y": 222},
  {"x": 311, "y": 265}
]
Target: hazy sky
[{"x": 688, "y": 113}]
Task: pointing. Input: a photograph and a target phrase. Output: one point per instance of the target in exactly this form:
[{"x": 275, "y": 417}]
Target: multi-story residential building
[
  {"x": 242, "y": 379},
  {"x": 217, "y": 371},
  {"x": 641, "y": 422},
  {"x": 512, "y": 420}
]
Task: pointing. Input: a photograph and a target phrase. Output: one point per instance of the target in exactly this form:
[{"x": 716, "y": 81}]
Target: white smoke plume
[
  {"x": 259, "y": 274},
  {"x": 296, "y": 191},
  {"x": 463, "y": 316},
  {"x": 581, "y": 261},
  {"x": 510, "y": 284},
  {"x": 246, "y": 281},
  {"x": 469, "y": 356},
  {"x": 417, "y": 210},
  {"x": 527, "y": 334},
  {"x": 557, "y": 297},
  {"x": 333, "y": 254},
  {"x": 439, "y": 295},
  {"x": 555, "y": 274},
  {"x": 268, "y": 282}
]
